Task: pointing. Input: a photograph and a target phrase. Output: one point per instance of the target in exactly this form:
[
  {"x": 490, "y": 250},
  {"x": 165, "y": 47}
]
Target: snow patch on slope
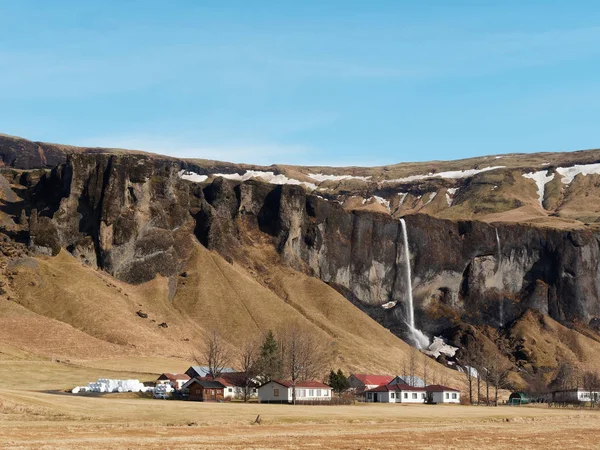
[
  {"x": 321, "y": 177},
  {"x": 541, "y": 178},
  {"x": 569, "y": 173},
  {"x": 431, "y": 197},
  {"x": 450, "y": 192},
  {"x": 191, "y": 176},
  {"x": 453, "y": 174},
  {"x": 269, "y": 177}
]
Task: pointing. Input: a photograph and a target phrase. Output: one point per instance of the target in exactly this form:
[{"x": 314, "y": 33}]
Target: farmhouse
[
  {"x": 279, "y": 391},
  {"x": 202, "y": 390},
  {"x": 360, "y": 382},
  {"x": 396, "y": 393},
  {"x": 234, "y": 385},
  {"x": 436, "y": 393},
  {"x": 576, "y": 395},
  {"x": 176, "y": 380}
]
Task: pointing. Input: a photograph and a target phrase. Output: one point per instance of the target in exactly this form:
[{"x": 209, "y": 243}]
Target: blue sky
[{"x": 303, "y": 82}]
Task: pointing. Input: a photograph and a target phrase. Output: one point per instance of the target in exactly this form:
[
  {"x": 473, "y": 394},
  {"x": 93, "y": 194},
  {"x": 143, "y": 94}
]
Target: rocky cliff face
[{"x": 133, "y": 216}]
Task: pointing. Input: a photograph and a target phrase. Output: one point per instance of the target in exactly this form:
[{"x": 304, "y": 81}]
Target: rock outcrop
[{"x": 132, "y": 216}]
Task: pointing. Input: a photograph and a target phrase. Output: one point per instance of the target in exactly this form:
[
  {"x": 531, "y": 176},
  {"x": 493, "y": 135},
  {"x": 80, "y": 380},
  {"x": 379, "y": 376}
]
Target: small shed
[
  {"x": 204, "y": 390},
  {"x": 518, "y": 398}
]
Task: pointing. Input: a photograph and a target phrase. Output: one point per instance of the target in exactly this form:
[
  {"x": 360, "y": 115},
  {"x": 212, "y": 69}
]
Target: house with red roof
[
  {"x": 280, "y": 391},
  {"x": 436, "y": 393},
  {"x": 361, "y": 382},
  {"x": 176, "y": 380},
  {"x": 396, "y": 393}
]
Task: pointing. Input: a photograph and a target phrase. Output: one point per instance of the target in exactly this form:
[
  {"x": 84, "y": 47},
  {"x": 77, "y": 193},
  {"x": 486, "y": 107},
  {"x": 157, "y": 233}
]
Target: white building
[
  {"x": 576, "y": 395},
  {"x": 279, "y": 391},
  {"x": 437, "y": 393},
  {"x": 176, "y": 380},
  {"x": 396, "y": 393}
]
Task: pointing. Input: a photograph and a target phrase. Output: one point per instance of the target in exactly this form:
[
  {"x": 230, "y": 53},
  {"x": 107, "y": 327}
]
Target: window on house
[
  {"x": 406, "y": 395},
  {"x": 311, "y": 392},
  {"x": 454, "y": 396},
  {"x": 325, "y": 393},
  {"x": 423, "y": 395},
  {"x": 275, "y": 392},
  {"x": 447, "y": 395},
  {"x": 229, "y": 389},
  {"x": 392, "y": 395},
  {"x": 301, "y": 393},
  {"x": 318, "y": 392},
  {"x": 369, "y": 395},
  {"x": 414, "y": 395}
]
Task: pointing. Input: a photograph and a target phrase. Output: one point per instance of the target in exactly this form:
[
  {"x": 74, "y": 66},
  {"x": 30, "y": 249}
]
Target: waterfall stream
[{"x": 418, "y": 337}]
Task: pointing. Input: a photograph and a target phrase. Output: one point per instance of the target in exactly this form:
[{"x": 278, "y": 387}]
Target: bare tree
[
  {"x": 497, "y": 368},
  {"x": 304, "y": 355},
  {"x": 469, "y": 359},
  {"x": 412, "y": 365},
  {"x": 426, "y": 362},
  {"x": 217, "y": 354},
  {"x": 566, "y": 377},
  {"x": 249, "y": 359}
]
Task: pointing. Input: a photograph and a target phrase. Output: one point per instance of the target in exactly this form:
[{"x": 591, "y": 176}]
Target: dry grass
[
  {"x": 68, "y": 311},
  {"x": 60, "y": 421}
]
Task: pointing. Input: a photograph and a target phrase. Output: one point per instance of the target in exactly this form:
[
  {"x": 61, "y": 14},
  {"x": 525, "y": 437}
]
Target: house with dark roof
[
  {"x": 437, "y": 393},
  {"x": 176, "y": 380},
  {"x": 360, "y": 382},
  {"x": 280, "y": 391},
  {"x": 203, "y": 390},
  {"x": 396, "y": 393}
]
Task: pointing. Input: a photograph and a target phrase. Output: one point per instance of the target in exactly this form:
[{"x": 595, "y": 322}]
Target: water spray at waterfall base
[{"x": 420, "y": 340}]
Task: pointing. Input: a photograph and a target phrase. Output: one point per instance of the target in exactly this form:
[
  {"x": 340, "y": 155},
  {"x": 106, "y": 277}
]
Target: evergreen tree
[
  {"x": 270, "y": 364},
  {"x": 338, "y": 381}
]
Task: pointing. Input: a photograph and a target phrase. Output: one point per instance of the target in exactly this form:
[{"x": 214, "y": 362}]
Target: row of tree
[
  {"x": 483, "y": 364},
  {"x": 294, "y": 353}
]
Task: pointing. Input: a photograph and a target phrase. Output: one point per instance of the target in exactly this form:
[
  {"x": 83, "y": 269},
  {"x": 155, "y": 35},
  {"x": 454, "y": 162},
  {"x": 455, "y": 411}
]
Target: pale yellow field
[
  {"x": 39, "y": 415},
  {"x": 44, "y": 420}
]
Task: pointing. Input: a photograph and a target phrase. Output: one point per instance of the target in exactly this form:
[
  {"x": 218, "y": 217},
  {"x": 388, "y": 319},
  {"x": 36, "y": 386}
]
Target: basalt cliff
[{"x": 505, "y": 245}]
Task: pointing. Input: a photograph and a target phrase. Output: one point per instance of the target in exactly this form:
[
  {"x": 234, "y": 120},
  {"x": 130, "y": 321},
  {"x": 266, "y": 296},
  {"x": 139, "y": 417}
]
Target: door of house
[{"x": 375, "y": 397}]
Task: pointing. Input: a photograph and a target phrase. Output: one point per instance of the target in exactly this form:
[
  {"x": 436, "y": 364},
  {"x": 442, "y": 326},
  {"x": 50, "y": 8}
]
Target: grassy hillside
[{"x": 68, "y": 311}]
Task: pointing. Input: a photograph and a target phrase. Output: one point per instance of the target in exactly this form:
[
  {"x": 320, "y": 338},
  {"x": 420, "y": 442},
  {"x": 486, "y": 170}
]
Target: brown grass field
[
  {"x": 40, "y": 415},
  {"x": 44, "y": 420}
]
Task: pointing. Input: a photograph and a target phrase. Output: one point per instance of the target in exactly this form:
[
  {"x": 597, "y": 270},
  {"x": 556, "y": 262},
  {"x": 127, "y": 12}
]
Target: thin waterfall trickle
[
  {"x": 418, "y": 337},
  {"x": 498, "y": 247}
]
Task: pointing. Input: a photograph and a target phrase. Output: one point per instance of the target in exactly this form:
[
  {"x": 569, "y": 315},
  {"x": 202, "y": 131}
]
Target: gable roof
[
  {"x": 203, "y": 371},
  {"x": 301, "y": 384},
  {"x": 206, "y": 384},
  {"x": 376, "y": 380},
  {"x": 174, "y": 376},
  {"x": 439, "y": 388},
  {"x": 395, "y": 387}
]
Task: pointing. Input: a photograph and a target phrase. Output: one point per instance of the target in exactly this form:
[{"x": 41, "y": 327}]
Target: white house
[
  {"x": 234, "y": 388},
  {"x": 436, "y": 393},
  {"x": 396, "y": 393},
  {"x": 576, "y": 395},
  {"x": 176, "y": 380},
  {"x": 279, "y": 391},
  {"x": 360, "y": 382}
]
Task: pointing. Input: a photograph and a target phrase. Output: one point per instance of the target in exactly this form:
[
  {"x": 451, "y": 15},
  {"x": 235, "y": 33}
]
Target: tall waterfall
[
  {"x": 498, "y": 247},
  {"x": 418, "y": 337}
]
